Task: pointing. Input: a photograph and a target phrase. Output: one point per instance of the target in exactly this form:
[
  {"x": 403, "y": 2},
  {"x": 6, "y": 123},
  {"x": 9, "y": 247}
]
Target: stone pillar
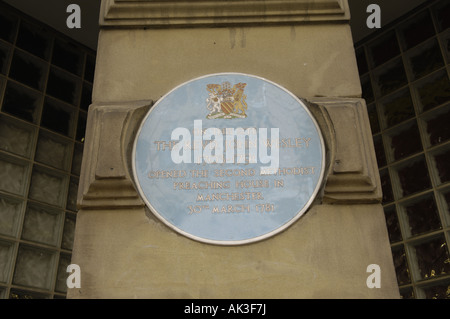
[{"x": 146, "y": 48}]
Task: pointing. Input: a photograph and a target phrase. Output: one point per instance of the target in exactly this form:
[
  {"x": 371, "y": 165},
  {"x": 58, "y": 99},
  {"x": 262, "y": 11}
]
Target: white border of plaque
[{"x": 189, "y": 171}]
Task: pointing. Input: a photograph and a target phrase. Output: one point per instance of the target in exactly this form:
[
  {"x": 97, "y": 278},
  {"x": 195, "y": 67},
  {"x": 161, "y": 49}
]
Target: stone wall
[{"x": 145, "y": 50}]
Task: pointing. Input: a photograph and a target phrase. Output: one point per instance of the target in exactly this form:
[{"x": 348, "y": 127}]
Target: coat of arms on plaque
[{"x": 226, "y": 102}]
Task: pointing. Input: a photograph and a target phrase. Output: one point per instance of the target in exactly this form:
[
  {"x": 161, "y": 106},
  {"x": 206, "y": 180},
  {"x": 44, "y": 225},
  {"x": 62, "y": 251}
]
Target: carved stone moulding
[
  {"x": 184, "y": 13},
  {"x": 353, "y": 176},
  {"x": 105, "y": 182}
]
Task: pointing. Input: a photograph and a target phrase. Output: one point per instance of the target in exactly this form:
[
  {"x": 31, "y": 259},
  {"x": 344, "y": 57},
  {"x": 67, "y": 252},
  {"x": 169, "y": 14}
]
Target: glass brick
[
  {"x": 404, "y": 140},
  {"x": 22, "y": 102},
  {"x": 432, "y": 258},
  {"x": 10, "y": 215},
  {"x": 69, "y": 232},
  {"x": 67, "y": 56},
  {"x": 441, "y": 164},
  {"x": 442, "y": 13},
  {"x": 412, "y": 176},
  {"x": 379, "y": 151},
  {"x": 58, "y": 117},
  {"x": 72, "y": 195},
  {"x": 437, "y": 291},
  {"x": 5, "y": 51},
  {"x": 445, "y": 42},
  {"x": 8, "y": 26},
  {"x": 63, "y": 86},
  {"x": 437, "y": 128},
  {"x": 6, "y": 256},
  {"x": 433, "y": 90},
  {"x": 417, "y": 29},
  {"x": 24, "y": 294},
  {"x": 386, "y": 186},
  {"x": 392, "y": 223},
  {"x": 77, "y": 159},
  {"x": 81, "y": 126},
  {"x": 13, "y": 175},
  {"x": 425, "y": 59},
  {"x": 53, "y": 150},
  {"x": 373, "y": 118},
  {"x": 48, "y": 187},
  {"x": 86, "y": 96},
  {"x": 361, "y": 61},
  {"x": 61, "y": 278},
  {"x": 407, "y": 293},
  {"x": 367, "y": 92},
  {"x": 445, "y": 195},
  {"x": 90, "y": 68},
  {"x": 3, "y": 293},
  {"x": 397, "y": 108},
  {"x": 16, "y": 137},
  {"x": 390, "y": 77},
  {"x": 34, "y": 39},
  {"x": 42, "y": 225},
  {"x": 383, "y": 49},
  {"x": 28, "y": 70},
  {"x": 34, "y": 267},
  {"x": 401, "y": 265},
  {"x": 422, "y": 215}
]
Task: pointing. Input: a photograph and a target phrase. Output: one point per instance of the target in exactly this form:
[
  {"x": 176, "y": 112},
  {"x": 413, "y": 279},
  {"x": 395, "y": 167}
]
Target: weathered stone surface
[
  {"x": 309, "y": 60},
  {"x": 124, "y": 251},
  {"x": 105, "y": 173},
  {"x": 354, "y": 176},
  {"x": 150, "y": 13},
  {"x": 128, "y": 254}
]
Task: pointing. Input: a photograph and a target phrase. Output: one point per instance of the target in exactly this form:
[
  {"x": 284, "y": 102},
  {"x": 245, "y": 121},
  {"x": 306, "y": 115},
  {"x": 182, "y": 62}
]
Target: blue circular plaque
[{"x": 228, "y": 159}]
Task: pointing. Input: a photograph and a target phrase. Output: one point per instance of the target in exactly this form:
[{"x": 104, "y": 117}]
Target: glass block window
[
  {"x": 404, "y": 70},
  {"x": 45, "y": 91}
]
